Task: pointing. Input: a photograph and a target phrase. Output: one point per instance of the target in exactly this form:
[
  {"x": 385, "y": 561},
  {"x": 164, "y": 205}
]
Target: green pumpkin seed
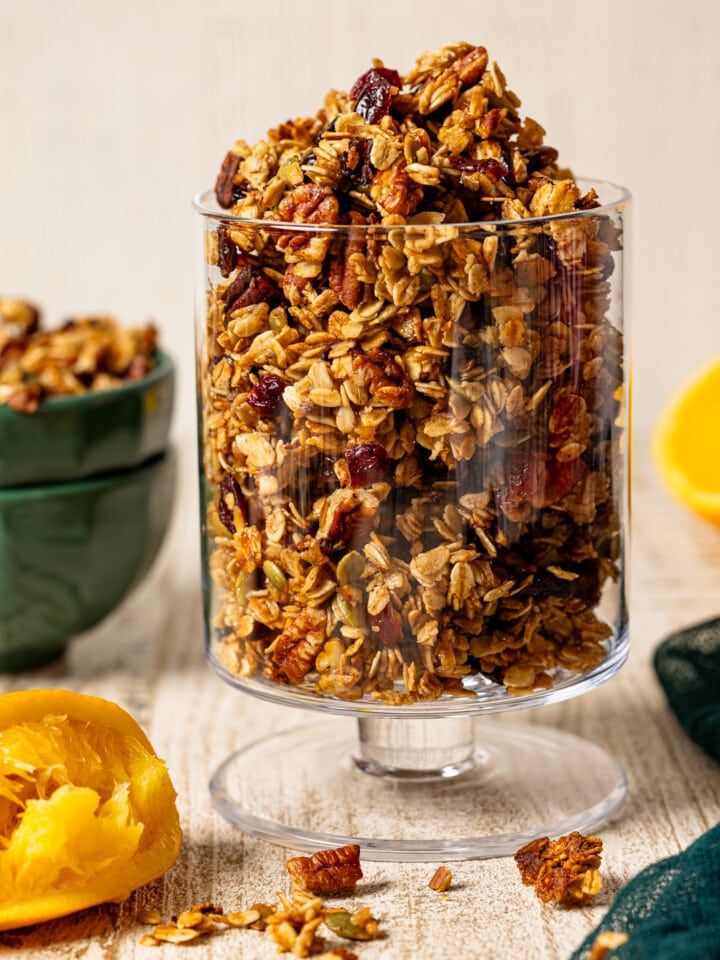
[
  {"x": 348, "y": 612},
  {"x": 427, "y": 280},
  {"x": 290, "y": 171},
  {"x": 275, "y": 575},
  {"x": 241, "y": 588},
  {"x": 350, "y": 568},
  {"x": 277, "y": 319},
  {"x": 340, "y": 922}
]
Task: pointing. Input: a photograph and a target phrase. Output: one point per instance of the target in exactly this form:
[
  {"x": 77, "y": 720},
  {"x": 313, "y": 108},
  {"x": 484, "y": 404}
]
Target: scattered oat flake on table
[
  {"x": 148, "y": 940},
  {"x": 172, "y": 933},
  {"x": 150, "y": 917}
]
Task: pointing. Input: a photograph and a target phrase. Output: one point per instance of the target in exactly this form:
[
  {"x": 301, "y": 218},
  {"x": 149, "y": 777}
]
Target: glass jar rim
[{"x": 613, "y": 199}]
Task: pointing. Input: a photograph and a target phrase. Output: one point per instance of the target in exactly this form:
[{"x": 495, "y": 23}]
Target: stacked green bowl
[{"x": 86, "y": 494}]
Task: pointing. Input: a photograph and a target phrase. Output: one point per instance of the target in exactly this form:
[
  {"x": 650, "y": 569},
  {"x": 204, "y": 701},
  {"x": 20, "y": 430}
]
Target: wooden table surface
[{"x": 148, "y": 657}]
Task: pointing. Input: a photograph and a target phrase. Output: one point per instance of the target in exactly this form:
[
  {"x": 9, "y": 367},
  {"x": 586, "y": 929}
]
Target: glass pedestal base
[{"x": 478, "y": 788}]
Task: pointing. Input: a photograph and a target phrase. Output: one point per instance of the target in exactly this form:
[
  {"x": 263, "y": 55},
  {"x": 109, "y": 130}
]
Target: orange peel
[
  {"x": 686, "y": 442},
  {"x": 87, "y": 810}
]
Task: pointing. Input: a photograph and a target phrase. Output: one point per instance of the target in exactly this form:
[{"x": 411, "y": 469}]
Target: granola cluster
[
  {"x": 565, "y": 870},
  {"x": 411, "y": 436},
  {"x": 85, "y": 353}
]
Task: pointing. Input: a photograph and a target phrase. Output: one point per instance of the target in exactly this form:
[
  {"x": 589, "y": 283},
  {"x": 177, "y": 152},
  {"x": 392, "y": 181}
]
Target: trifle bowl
[{"x": 413, "y": 409}]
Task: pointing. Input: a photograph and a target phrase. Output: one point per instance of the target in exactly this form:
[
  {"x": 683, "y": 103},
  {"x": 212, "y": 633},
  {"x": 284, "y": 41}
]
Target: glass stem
[{"x": 409, "y": 749}]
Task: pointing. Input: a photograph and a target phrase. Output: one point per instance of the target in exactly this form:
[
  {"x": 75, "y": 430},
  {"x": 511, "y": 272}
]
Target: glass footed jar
[{"x": 414, "y": 491}]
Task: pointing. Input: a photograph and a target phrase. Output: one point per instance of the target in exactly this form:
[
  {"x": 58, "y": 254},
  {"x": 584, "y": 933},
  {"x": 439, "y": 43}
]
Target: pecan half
[
  {"x": 297, "y": 646},
  {"x": 227, "y": 251},
  {"x": 472, "y": 66},
  {"x": 344, "y": 281},
  {"x": 327, "y": 871},
  {"x": 394, "y": 192},
  {"x": 250, "y": 286},
  {"x": 226, "y": 176},
  {"x": 386, "y": 380},
  {"x": 310, "y": 203},
  {"x": 347, "y": 518}
]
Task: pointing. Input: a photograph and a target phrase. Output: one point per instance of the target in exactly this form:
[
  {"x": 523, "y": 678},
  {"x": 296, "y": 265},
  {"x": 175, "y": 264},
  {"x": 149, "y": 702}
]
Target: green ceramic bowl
[
  {"x": 70, "y": 552},
  {"x": 69, "y": 438}
]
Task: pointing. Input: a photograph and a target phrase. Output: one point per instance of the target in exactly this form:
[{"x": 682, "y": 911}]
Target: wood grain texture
[{"x": 148, "y": 656}]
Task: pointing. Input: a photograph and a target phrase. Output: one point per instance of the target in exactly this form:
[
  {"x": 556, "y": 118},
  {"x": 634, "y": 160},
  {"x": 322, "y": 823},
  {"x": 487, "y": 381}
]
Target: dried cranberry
[
  {"x": 523, "y": 486},
  {"x": 227, "y": 251},
  {"x": 266, "y": 395},
  {"x": 384, "y": 73},
  {"x": 490, "y": 167},
  {"x": 231, "y": 497},
  {"x": 371, "y": 93},
  {"x": 368, "y": 463},
  {"x": 563, "y": 476},
  {"x": 387, "y": 625}
]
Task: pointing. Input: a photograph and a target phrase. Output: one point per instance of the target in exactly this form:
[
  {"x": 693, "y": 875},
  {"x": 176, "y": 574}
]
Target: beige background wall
[{"x": 113, "y": 114}]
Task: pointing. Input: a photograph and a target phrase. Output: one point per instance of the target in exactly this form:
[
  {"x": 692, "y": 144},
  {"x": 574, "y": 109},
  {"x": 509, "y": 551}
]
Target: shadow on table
[{"x": 93, "y": 923}]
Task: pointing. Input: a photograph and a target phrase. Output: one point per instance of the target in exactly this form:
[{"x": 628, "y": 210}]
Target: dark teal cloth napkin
[{"x": 671, "y": 910}]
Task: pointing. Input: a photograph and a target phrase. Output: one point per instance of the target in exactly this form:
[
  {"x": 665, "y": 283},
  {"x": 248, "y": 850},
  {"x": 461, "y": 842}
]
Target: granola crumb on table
[
  {"x": 410, "y": 422},
  {"x": 441, "y": 880},
  {"x": 605, "y": 942},
  {"x": 565, "y": 870},
  {"x": 293, "y": 925}
]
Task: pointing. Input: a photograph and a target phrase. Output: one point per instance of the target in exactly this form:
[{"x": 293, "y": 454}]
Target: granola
[
  {"x": 411, "y": 411},
  {"x": 441, "y": 880},
  {"x": 606, "y": 942},
  {"x": 293, "y": 926},
  {"x": 84, "y": 353},
  {"x": 563, "y": 871}
]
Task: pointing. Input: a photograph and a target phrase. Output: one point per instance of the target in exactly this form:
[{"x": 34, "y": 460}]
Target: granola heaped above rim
[{"x": 410, "y": 411}]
